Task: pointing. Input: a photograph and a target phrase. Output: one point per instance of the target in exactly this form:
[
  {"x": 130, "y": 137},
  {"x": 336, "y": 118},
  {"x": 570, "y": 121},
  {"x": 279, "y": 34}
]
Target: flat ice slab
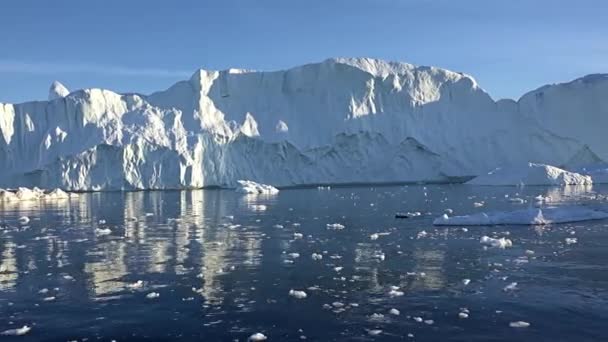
[
  {"x": 530, "y": 174},
  {"x": 529, "y": 216},
  {"x": 250, "y": 187}
]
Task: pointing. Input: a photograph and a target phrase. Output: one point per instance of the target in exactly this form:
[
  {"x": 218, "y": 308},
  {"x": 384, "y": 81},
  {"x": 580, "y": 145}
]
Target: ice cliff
[{"x": 338, "y": 121}]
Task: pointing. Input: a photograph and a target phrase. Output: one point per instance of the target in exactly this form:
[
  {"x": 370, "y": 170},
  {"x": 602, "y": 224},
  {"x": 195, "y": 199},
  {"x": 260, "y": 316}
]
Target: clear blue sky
[{"x": 509, "y": 46}]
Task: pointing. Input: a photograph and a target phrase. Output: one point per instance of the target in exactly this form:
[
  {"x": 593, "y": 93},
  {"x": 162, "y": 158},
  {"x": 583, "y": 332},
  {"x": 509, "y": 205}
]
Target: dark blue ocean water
[{"x": 223, "y": 267}]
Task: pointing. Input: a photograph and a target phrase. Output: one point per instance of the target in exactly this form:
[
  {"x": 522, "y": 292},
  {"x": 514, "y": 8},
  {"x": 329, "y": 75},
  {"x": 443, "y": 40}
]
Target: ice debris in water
[
  {"x": 258, "y": 337},
  {"x": 528, "y": 216},
  {"x": 478, "y": 204},
  {"x": 374, "y": 237},
  {"x": 498, "y": 243},
  {"x": 250, "y": 187},
  {"x": 136, "y": 285},
  {"x": 24, "y": 220},
  {"x": 374, "y": 332},
  {"x": 103, "y": 231},
  {"x": 394, "y": 312},
  {"x": 519, "y": 324},
  {"x": 17, "y": 332},
  {"x": 510, "y": 287},
  {"x": 298, "y": 294},
  {"x": 570, "y": 241},
  {"x": 335, "y": 226},
  {"x": 466, "y": 282},
  {"x": 316, "y": 256},
  {"x": 153, "y": 295}
]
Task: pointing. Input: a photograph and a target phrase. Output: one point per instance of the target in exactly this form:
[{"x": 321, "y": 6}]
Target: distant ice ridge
[
  {"x": 529, "y": 216},
  {"x": 347, "y": 120},
  {"x": 250, "y": 187},
  {"x": 531, "y": 174}
]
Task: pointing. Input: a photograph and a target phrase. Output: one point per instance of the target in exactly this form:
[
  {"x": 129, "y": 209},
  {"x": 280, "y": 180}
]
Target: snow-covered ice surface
[
  {"x": 531, "y": 174},
  {"x": 202, "y": 264},
  {"x": 528, "y": 216},
  {"x": 344, "y": 120}
]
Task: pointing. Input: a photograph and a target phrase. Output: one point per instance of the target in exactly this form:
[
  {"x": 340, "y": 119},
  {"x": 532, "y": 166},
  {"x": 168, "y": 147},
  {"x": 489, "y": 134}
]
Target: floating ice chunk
[
  {"x": 24, "y": 220},
  {"x": 570, "y": 241},
  {"x": 530, "y": 174},
  {"x": 395, "y": 293},
  {"x": 258, "y": 337},
  {"x": 394, "y": 312},
  {"x": 278, "y": 226},
  {"x": 293, "y": 255},
  {"x": 422, "y": 234},
  {"x": 298, "y": 235},
  {"x": 374, "y": 237},
  {"x": 258, "y": 207},
  {"x": 298, "y": 294},
  {"x": 528, "y": 216},
  {"x": 510, "y": 287},
  {"x": 103, "y": 231},
  {"x": 478, "y": 204},
  {"x": 466, "y": 282},
  {"x": 335, "y": 226},
  {"x": 16, "y": 332},
  {"x": 136, "y": 285},
  {"x": 418, "y": 319},
  {"x": 498, "y": 243},
  {"x": 374, "y": 332},
  {"x": 517, "y": 200},
  {"x": 376, "y": 317},
  {"x": 429, "y": 322},
  {"x": 519, "y": 324},
  {"x": 338, "y": 268},
  {"x": 153, "y": 295},
  {"x": 463, "y": 315},
  {"x": 250, "y": 187},
  {"x": 316, "y": 256}
]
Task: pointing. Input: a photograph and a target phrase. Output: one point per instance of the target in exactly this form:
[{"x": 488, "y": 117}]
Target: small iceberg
[
  {"x": 529, "y": 216},
  {"x": 27, "y": 194},
  {"x": 250, "y": 187},
  {"x": 530, "y": 174}
]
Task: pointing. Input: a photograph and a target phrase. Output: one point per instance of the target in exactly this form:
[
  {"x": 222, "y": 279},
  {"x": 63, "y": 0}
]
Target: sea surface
[{"x": 214, "y": 265}]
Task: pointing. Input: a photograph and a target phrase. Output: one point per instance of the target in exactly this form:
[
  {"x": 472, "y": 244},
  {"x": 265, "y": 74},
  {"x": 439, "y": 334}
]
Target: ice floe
[
  {"x": 17, "y": 332},
  {"x": 528, "y": 216}
]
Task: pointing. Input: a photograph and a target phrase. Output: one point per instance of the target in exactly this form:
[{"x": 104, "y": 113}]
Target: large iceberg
[
  {"x": 528, "y": 216},
  {"x": 531, "y": 174},
  {"x": 338, "y": 121}
]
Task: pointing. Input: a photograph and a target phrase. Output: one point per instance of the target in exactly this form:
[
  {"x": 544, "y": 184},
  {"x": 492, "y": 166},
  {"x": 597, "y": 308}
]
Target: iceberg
[
  {"x": 250, "y": 187},
  {"x": 531, "y": 174},
  {"x": 343, "y": 120},
  {"x": 26, "y": 194},
  {"x": 529, "y": 216}
]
